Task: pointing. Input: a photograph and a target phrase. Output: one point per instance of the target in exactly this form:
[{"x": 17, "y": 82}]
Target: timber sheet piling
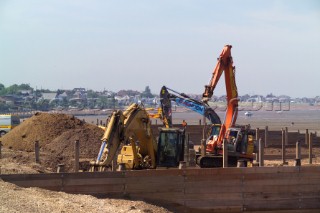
[{"x": 220, "y": 189}]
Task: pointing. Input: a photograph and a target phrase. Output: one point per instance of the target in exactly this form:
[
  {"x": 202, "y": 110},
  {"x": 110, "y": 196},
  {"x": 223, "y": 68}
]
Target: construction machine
[
  {"x": 239, "y": 139},
  {"x": 130, "y": 132},
  {"x": 7, "y": 123},
  {"x": 167, "y": 95}
]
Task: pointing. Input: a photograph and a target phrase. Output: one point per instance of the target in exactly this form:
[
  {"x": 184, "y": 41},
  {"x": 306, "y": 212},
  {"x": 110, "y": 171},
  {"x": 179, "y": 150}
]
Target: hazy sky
[{"x": 125, "y": 44}]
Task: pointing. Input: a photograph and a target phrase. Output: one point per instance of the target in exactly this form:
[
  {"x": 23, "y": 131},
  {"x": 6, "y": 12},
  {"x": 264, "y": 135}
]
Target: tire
[{"x": 2, "y": 133}]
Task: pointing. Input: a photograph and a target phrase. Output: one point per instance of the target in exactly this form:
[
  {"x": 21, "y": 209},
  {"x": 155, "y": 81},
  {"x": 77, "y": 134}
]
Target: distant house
[
  {"x": 2, "y": 100},
  {"x": 25, "y": 92},
  {"x": 79, "y": 94},
  {"x": 62, "y": 96},
  {"x": 50, "y": 96},
  {"x": 12, "y": 99},
  {"x": 123, "y": 100}
]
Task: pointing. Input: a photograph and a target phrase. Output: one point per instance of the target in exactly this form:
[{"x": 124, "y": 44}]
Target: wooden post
[
  {"x": 186, "y": 150},
  {"x": 203, "y": 147},
  {"x": 121, "y": 167},
  {"x": 203, "y": 141},
  {"x": 241, "y": 163},
  {"x": 199, "y": 122},
  {"x": 261, "y": 153},
  {"x": 298, "y": 154},
  {"x": 36, "y": 150},
  {"x": 114, "y": 166},
  {"x": 192, "y": 158},
  {"x": 204, "y": 127},
  {"x": 257, "y": 154},
  {"x": 283, "y": 147},
  {"x": 310, "y": 148},
  {"x": 286, "y": 136},
  {"x": 76, "y": 155},
  {"x": 60, "y": 168},
  {"x": 306, "y": 140},
  {"x": 257, "y": 134},
  {"x": 182, "y": 165},
  {"x": 225, "y": 154},
  {"x": 0, "y": 149},
  {"x": 266, "y": 136}
]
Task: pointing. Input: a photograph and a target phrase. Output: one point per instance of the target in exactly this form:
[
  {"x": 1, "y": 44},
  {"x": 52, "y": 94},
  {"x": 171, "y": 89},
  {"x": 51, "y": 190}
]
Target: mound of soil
[{"x": 56, "y": 134}]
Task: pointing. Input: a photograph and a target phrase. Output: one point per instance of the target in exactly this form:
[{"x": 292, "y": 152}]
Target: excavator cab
[
  {"x": 171, "y": 146},
  {"x": 214, "y": 131},
  {"x": 241, "y": 143}
]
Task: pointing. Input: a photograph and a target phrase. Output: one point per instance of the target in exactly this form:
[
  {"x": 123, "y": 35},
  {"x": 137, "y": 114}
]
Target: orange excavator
[{"x": 240, "y": 139}]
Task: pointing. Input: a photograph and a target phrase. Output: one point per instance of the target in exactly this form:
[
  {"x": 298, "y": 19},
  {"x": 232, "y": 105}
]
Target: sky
[{"x": 125, "y": 44}]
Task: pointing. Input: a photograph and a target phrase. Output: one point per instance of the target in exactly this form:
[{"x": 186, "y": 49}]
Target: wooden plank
[
  {"x": 153, "y": 172},
  {"x": 273, "y": 170},
  {"x": 282, "y": 204},
  {"x": 310, "y": 169},
  {"x": 92, "y": 181},
  {"x": 222, "y": 196},
  {"x": 282, "y": 195},
  {"x": 287, "y": 211},
  {"x": 215, "y": 205},
  {"x": 213, "y": 178},
  {"x": 272, "y": 182},
  {"x": 215, "y": 190},
  {"x": 305, "y": 175},
  {"x": 154, "y": 179},
  {"x": 272, "y": 176},
  {"x": 91, "y": 175},
  {"x": 160, "y": 196},
  {"x": 38, "y": 183},
  {"x": 212, "y": 184},
  {"x": 310, "y": 203},
  {"x": 20, "y": 177},
  {"x": 213, "y": 172},
  {"x": 272, "y": 188},
  {"x": 305, "y": 187},
  {"x": 154, "y": 187},
  {"x": 95, "y": 189}
]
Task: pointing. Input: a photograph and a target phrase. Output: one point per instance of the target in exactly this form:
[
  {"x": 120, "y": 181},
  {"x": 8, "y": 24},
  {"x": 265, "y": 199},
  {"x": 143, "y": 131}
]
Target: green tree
[
  {"x": 147, "y": 93},
  {"x": 14, "y": 89},
  {"x": 92, "y": 94},
  {"x": 4, "y": 108},
  {"x": 2, "y": 87}
]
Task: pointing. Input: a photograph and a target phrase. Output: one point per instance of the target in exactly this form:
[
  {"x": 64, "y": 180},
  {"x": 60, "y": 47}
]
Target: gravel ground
[{"x": 16, "y": 199}]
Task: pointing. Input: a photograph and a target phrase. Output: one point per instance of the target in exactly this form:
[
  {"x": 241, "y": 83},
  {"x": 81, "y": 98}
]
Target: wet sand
[{"x": 295, "y": 120}]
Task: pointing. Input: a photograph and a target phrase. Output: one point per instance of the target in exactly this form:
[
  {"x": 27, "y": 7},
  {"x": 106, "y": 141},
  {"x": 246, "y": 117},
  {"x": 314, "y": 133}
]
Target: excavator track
[{"x": 212, "y": 161}]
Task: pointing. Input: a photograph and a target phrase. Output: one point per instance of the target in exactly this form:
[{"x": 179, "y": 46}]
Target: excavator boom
[
  {"x": 130, "y": 129},
  {"x": 129, "y": 132},
  {"x": 224, "y": 65},
  {"x": 238, "y": 138},
  {"x": 167, "y": 95}
]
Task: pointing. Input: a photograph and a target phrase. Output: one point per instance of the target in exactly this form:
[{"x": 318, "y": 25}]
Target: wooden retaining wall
[{"x": 291, "y": 189}]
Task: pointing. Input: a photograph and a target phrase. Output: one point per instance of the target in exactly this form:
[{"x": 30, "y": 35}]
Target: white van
[{"x": 8, "y": 122}]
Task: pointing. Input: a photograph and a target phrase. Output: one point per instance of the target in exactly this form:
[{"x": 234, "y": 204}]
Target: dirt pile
[{"x": 56, "y": 134}]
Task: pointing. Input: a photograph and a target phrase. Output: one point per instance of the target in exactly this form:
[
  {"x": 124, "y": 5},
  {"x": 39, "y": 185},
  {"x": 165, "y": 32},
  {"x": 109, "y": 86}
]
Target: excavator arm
[
  {"x": 167, "y": 95},
  {"x": 130, "y": 129},
  {"x": 224, "y": 65}
]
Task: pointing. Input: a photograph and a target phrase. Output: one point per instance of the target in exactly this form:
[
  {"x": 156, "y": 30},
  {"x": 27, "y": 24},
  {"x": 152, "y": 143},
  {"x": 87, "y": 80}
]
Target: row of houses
[{"x": 82, "y": 98}]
